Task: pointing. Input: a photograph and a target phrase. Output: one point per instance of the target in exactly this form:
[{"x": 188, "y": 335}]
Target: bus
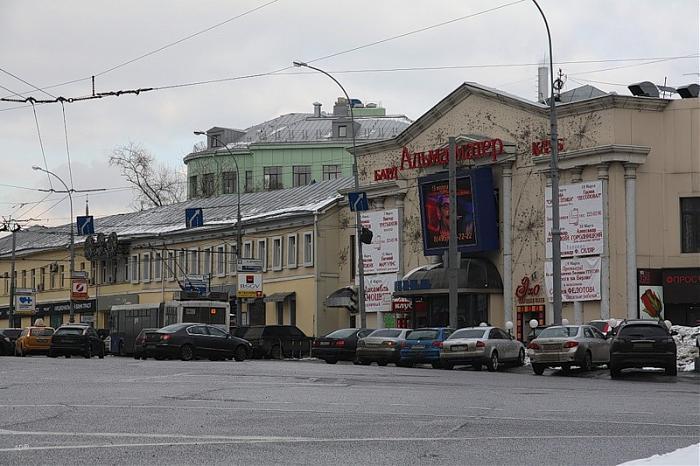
[{"x": 127, "y": 320}]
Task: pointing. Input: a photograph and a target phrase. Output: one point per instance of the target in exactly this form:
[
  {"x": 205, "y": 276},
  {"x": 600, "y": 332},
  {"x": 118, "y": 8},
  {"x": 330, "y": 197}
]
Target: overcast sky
[{"x": 47, "y": 42}]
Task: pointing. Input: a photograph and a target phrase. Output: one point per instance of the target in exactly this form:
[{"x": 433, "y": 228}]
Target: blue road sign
[
  {"x": 358, "y": 201},
  {"x": 194, "y": 218},
  {"x": 86, "y": 226}
]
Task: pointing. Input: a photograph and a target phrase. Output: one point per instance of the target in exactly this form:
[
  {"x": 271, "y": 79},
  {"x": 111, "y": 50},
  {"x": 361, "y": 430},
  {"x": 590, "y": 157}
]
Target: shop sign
[
  {"x": 580, "y": 279},
  {"x": 681, "y": 286},
  {"x": 382, "y": 256},
  {"x": 580, "y": 219},
  {"x": 25, "y": 302},
  {"x": 401, "y": 305},
  {"x": 650, "y": 293},
  {"x": 378, "y": 292},
  {"x": 63, "y": 307},
  {"x": 249, "y": 285},
  {"x": 412, "y": 285},
  {"x": 544, "y": 146},
  {"x": 490, "y": 148},
  {"x": 79, "y": 288},
  {"x": 528, "y": 293}
]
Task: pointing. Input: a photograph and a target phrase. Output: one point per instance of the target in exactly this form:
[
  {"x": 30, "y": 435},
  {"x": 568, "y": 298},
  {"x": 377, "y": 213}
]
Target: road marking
[
  {"x": 214, "y": 440},
  {"x": 357, "y": 413}
]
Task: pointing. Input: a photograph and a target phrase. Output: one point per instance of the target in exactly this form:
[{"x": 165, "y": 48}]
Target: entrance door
[{"x": 56, "y": 319}]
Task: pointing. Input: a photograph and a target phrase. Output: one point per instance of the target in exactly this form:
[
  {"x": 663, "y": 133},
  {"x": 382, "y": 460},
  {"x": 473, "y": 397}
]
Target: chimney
[
  {"x": 317, "y": 110},
  {"x": 341, "y": 107},
  {"x": 543, "y": 86}
]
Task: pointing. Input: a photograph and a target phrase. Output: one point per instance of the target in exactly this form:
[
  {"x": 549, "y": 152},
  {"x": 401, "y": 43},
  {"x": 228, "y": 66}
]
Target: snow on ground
[
  {"x": 686, "y": 346},
  {"x": 681, "y": 457}
]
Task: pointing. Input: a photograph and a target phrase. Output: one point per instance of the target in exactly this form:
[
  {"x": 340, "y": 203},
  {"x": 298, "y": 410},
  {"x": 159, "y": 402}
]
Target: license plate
[
  {"x": 459, "y": 348},
  {"x": 372, "y": 345},
  {"x": 325, "y": 343},
  {"x": 41, "y": 340},
  {"x": 418, "y": 346},
  {"x": 642, "y": 346}
]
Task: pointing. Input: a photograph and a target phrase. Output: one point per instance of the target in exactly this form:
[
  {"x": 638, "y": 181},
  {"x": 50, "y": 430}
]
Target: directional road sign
[
  {"x": 86, "y": 225},
  {"x": 358, "y": 201},
  {"x": 194, "y": 218}
]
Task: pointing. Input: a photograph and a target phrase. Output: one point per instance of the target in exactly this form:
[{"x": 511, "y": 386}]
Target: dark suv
[
  {"x": 642, "y": 343},
  {"x": 8, "y": 337},
  {"x": 275, "y": 341}
]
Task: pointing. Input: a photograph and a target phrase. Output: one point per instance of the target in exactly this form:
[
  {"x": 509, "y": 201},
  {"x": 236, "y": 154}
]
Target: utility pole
[
  {"x": 13, "y": 226},
  {"x": 452, "y": 254}
]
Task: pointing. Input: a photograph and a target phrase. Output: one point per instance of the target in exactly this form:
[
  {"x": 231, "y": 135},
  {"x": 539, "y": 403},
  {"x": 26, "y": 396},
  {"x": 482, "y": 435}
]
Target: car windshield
[
  {"x": 468, "y": 333},
  {"x": 171, "y": 328},
  {"x": 249, "y": 332},
  {"x": 422, "y": 335},
  {"x": 41, "y": 332},
  {"x": 386, "y": 333},
  {"x": 342, "y": 333},
  {"x": 642, "y": 331},
  {"x": 69, "y": 331},
  {"x": 559, "y": 332}
]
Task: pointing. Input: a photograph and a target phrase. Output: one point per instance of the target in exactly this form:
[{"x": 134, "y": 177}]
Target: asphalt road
[{"x": 123, "y": 411}]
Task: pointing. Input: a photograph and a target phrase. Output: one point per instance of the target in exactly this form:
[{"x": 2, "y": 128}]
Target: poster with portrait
[{"x": 436, "y": 212}]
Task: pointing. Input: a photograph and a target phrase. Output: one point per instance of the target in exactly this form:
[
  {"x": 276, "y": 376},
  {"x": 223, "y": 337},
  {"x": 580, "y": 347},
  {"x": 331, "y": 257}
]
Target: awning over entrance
[
  {"x": 344, "y": 297},
  {"x": 476, "y": 275},
  {"x": 279, "y": 297}
]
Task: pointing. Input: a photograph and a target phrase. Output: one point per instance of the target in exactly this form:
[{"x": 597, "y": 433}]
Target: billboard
[
  {"x": 580, "y": 279},
  {"x": 650, "y": 293},
  {"x": 382, "y": 256},
  {"x": 378, "y": 291},
  {"x": 477, "y": 228},
  {"x": 249, "y": 285}
]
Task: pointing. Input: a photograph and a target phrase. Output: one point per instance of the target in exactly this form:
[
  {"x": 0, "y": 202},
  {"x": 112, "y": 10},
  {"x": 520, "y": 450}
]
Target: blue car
[{"x": 423, "y": 345}]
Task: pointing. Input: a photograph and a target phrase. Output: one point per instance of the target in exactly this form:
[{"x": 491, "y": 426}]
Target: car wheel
[
  {"x": 122, "y": 351},
  {"x": 672, "y": 370},
  {"x": 240, "y": 354},
  {"x": 21, "y": 352},
  {"x": 186, "y": 352},
  {"x": 68, "y": 356},
  {"x": 365, "y": 362},
  {"x": 276, "y": 352},
  {"x": 436, "y": 364},
  {"x": 330, "y": 361},
  {"x": 447, "y": 365},
  {"x": 538, "y": 369},
  {"x": 492, "y": 364},
  {"x": 566, "y": 369},
  {"x": 404, "y": 364},
  {"x": 477, "y": 366},
  {"x": 587, "y": 362},
  {"x": 356, "y": 361},
  {"x": 137, "y": 355},
  {"x": 382, "y": 363},
  {"x": 521, "y": 358},
  {"x": 101, "y": 354},
  {"x": 88, "y": 352},
  {"x": 614, "y": 371},
  {"x": 51, "y": 354}
]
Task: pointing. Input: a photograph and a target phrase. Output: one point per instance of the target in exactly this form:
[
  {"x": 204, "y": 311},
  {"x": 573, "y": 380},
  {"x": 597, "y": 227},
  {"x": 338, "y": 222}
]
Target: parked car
[
  {"x": 478, "y": 346},
  {"x": 11, "y": 334},
  {"x": 535, "y": 332},
  {"x": 642, "y": 343},
  {"x": 568, "y": 345},
  {"x": 33, "y": 340},
  {"x": 606, "y": 327},
  {"x": 422, "y": 346},
  {"x": 381, "y": 346},
  {"x": 276, "y": 341},
  {"x": 8, "y": 336},
  {"x": 192, "y": 340},
  {"x": 339, "y": 345},
  {"x": 140, "y": 344},
  {"x": 76, "y": 339}
]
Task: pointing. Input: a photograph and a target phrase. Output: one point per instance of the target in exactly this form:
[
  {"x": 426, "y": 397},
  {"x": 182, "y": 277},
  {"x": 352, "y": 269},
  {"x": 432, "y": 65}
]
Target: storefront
[{"x": 681, "y": 295}]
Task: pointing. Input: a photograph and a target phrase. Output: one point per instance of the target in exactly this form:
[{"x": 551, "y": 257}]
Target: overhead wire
[
  {"x": 41, "y": 144},
  {"x": 65, "y": 132},
  {"x": 25, "y": 82}
]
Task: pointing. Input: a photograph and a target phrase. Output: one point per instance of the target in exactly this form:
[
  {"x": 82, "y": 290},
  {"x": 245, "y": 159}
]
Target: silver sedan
[
  {"x": 381, "y": 346},
  {"x": 568, "y": 345},
  {"x": 476, "y": 346}
]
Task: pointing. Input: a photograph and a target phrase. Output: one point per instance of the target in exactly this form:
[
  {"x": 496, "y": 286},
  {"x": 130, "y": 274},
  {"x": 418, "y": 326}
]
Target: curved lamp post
[
  {"x": 554, "y": 174},
  {"x": 72, "y": 239},
  {"x": 239, "y": 237},
  {"x": 358, "y": 219}
]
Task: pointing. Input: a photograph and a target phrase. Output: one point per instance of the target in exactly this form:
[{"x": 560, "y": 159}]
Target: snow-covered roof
[{"x": 217, "y": 211}]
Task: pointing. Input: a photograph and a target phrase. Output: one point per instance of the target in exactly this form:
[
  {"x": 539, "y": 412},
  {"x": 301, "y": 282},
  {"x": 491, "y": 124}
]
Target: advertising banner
[
  {"x": 650, "y": 293},
  {"x": 249, "y": 285},
  {"x": 25, "y": 303},
  {"x": 681, "y": 286},
  {"x": 477, "y": 229},
  {"x": 79, "y": 289},
  {"x": 580, "y": 279},
  {"x": 580, "y": 219},
  {"x": 382, "y": 256},
  {"x": 378, "y": 290}
]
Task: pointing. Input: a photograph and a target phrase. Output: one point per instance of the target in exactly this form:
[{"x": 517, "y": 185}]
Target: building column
[
  {"x": 507, "y": 192},
  {"x": 631, "y": 232},
  {"x": 548, "y": 306},
  {"x": 379, "y": 205},
  {"x": 576, "y": 173},
  {"x": 603, "y": 176}
]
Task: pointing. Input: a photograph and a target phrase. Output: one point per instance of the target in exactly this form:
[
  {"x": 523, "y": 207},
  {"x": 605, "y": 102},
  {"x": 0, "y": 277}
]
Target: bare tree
[{"x": 156, "y": 184}]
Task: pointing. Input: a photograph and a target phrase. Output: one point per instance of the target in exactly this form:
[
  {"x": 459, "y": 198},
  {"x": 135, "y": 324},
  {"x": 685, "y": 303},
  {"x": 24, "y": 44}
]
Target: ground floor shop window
[
  {"x": 472, "y": 309},
  {"x": 256, "y": 312}
]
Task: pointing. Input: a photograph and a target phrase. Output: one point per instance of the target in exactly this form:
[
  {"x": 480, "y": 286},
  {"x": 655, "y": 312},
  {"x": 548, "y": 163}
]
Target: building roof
[
  {"x": 581, "y": 93},
  {"x": 220, "y": 211}
]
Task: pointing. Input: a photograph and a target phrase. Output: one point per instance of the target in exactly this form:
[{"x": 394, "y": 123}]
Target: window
[
  {"x": 221, "y": 260},
  {"x": 228, "y": 181},
  {"x": 193, "y": 263},
  {"x": 277, "y": 253},
  {"x": 249, "y": 181},
  {"x": 272, "y": 178},
  {"x": 690, "y": 224},
  {"x": 262, "y": 253},
  {"x": 308, "y": 249},
  {"x": 181, "y": 266},
  {"x": 208, "y": 185},
  {"x": 157, "y": 266},
  {"x": 207, "y": 262},
  {"x": 293, "y": 312},
  {"x": 291, "y": 251},
  {"x": 62, "y": 270},
  {"x": 134, "y": 269},
  {"x": 342, "y": 131},
  {"x": 280, "y": 312},
  {"x": 146, "y": 263},
  {"x": 193, "y": 186},
  {"x": 7, "y": 283},
  {"x": 247, "y": 250},
  {"x": 24, "y": 278},
  {"x": 301, "y": 175},
  {"x": 52, "y": 280},
  {"x": 331, "y": 172},
  {"x": 170, "y": 269},
  {"x": 33, "y": 280},
  {"x": 215, "y": 140},
  {"x": 232, "y": 259}
]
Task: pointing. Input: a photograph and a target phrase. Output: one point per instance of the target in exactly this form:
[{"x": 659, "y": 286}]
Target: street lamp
[
  {"x": 358, "y": 219},
  {"x": 72, "y": 239},
  {"x": 554, "y": 174},
  {"x": 239, "y": 237}
]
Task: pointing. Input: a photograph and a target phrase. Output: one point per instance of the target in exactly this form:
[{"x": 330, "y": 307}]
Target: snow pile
[
  {"x": 686, "y": 346},
  {"x": 683, "y": 456}
]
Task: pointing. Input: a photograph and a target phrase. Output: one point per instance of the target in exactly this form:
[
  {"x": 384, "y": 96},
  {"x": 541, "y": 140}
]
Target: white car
[{"x": 476, "y": 346}]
